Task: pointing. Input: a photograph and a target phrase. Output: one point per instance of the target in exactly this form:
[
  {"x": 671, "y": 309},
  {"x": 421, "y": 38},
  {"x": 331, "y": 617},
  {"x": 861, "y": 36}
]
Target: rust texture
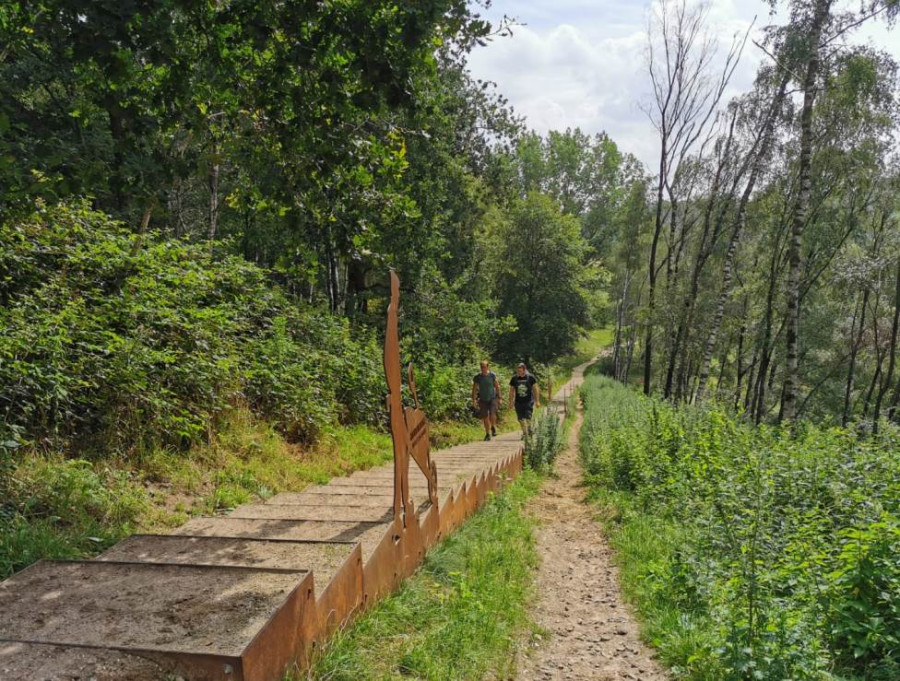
[{"x": 308, "y": 562}]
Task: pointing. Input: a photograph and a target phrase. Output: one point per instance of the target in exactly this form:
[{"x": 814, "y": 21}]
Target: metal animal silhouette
[{"x": 409, "y": 426}]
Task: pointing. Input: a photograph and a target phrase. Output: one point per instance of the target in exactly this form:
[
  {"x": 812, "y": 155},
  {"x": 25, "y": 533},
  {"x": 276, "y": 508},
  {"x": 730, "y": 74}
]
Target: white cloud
[
  {"x": 581, "y": 62},
  {"x": 561, "y": 78}
]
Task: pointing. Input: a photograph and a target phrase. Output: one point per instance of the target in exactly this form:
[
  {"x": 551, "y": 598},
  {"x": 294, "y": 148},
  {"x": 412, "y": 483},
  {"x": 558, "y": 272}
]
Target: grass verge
[
  {"x": 461, "y": 616},
  {"x": 648, "y": 549}
]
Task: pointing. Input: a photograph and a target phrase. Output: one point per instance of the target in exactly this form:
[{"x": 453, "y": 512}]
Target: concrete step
[
  {"x": 376, "y": 491},
  {"x": 328, "y": 499},
  {"x": 37, "y": 662},
  {"x": 344, "y": 512},
  {"x": 173, "y": 611},
  {"x": 368, "y": 534},
  {"x": 337, "y": 493},
  {"x": 322, "y": 558},
  {"x": 319, "y": 498},
  {"x": 446, "y": 480},
  {"x": 483, "y": 457},
  {"x": 385, "y": 480},
  {"x": 451, "y": 460}
]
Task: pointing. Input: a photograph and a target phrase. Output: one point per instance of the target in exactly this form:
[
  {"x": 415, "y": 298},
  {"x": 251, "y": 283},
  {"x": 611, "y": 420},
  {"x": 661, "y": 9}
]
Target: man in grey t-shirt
[{"x": 486, "y": 398}]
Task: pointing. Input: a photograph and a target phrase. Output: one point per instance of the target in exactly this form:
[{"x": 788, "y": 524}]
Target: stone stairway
[{"x": 241, "y": 597}]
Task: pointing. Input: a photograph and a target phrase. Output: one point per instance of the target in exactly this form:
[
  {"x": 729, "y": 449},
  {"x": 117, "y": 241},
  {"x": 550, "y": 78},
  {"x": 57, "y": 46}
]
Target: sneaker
[
  {"x": 493, "y": 431},
  {"x": 487, "y": 437}
]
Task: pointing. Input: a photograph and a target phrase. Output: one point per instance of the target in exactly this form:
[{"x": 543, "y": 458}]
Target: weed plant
[
  {"x": 751, "y": 553},
  {"x": 460, "y": 616},
  {"x": 546, "y": 440}
]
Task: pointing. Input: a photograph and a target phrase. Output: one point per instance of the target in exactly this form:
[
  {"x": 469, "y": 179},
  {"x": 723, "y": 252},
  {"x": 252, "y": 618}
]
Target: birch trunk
[
  {"x": 856, "y": 333},
  {"x": 762, "y": 153},
  {"x": 801, "y": 212}
]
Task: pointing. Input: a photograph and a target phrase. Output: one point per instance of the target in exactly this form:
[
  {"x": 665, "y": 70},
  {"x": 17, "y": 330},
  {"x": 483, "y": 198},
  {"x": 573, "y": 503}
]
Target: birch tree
[{"x": 687, "y": 88}]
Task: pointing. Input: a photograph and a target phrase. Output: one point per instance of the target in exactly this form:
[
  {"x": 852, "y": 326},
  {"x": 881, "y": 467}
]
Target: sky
[{"x": 580, "y": 63}]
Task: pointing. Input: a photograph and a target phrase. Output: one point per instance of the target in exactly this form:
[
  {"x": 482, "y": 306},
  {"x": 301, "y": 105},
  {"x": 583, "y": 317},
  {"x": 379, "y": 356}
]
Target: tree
[
  {"x": 686, "y": 94},
  {"x": 817, "y": 16},
  {"x": 755, "y": 160},
  {"x": 538, "y": 263}
]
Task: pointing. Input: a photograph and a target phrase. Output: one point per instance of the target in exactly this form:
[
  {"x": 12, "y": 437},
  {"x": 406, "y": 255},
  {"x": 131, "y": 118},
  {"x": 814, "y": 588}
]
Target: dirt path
[{"x": 590, "y": 632}]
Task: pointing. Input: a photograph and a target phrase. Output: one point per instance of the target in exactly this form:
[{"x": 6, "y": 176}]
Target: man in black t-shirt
[{"x": 524, "y": 393}]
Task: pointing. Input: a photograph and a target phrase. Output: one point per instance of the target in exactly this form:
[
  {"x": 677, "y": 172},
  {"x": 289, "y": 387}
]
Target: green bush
[
  {"x": 113, "y": 341},
  {"x": 781, "y": 549},
  {"x": 862, "y": 598},
  {"x": 445, "y": 391}
]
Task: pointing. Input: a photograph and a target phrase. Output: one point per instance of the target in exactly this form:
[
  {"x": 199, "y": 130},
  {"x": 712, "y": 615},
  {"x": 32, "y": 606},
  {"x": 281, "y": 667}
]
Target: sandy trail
[{"x": 591, "y": 633}]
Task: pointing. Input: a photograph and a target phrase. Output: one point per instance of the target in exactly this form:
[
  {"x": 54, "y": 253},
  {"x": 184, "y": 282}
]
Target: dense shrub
[
  {"x": 778, "y": 552},
  {"x": 446, "y": 390},
  {"x": 112, "y": 340}
]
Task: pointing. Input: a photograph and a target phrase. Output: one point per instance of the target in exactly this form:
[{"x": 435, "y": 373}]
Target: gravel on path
[{"x": 590, "y": 631}]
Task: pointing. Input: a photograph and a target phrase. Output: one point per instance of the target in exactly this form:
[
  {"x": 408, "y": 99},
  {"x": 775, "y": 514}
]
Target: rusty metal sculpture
[{"x": 409, "y": 427}]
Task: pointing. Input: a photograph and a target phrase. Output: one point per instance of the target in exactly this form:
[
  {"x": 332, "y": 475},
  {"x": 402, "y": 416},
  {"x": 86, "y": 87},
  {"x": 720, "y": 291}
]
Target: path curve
[{"x": 590, "y": 631}]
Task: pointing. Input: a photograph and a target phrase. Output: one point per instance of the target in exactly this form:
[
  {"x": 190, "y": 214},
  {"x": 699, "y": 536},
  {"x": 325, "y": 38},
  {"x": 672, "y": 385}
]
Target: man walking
[
  {"x": 486, "y": 398},
  {"x": 524, "y": 393}
]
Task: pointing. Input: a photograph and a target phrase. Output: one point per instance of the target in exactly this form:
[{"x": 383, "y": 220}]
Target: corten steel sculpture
[{"x": 409, "y": 427}]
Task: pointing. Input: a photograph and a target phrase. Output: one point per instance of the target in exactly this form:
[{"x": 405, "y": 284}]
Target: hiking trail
[{"x": 590, "y": 632}]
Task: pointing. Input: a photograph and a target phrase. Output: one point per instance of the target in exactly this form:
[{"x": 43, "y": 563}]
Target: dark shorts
[
  {"x": 486, "y": 409},
  {"x": 524, "y": 410}
]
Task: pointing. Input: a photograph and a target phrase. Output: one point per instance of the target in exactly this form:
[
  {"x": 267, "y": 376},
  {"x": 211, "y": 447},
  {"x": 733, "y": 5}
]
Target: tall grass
[
  {"x": 751, "y": 553},
  {"x": 461, "y": 616}
]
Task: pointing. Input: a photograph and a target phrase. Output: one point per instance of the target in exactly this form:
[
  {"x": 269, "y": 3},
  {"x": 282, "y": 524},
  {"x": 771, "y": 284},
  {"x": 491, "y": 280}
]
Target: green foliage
[
  {"x": 289, "y": 128},
  {"x": 112, "y": 342},
  {"x": 862, "y": 598},
  {"x": 769, "y": 557},
  {"x": 546, "y": 440},
  {"x": 125, "y": 103},
  {"x": 540, "y": 278},
  {"x": 460, "y": 616},
  {"x": 446, "y": 390},
  {"x": 447, "y": 331},
  {"x": 64, "y": 509}
]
